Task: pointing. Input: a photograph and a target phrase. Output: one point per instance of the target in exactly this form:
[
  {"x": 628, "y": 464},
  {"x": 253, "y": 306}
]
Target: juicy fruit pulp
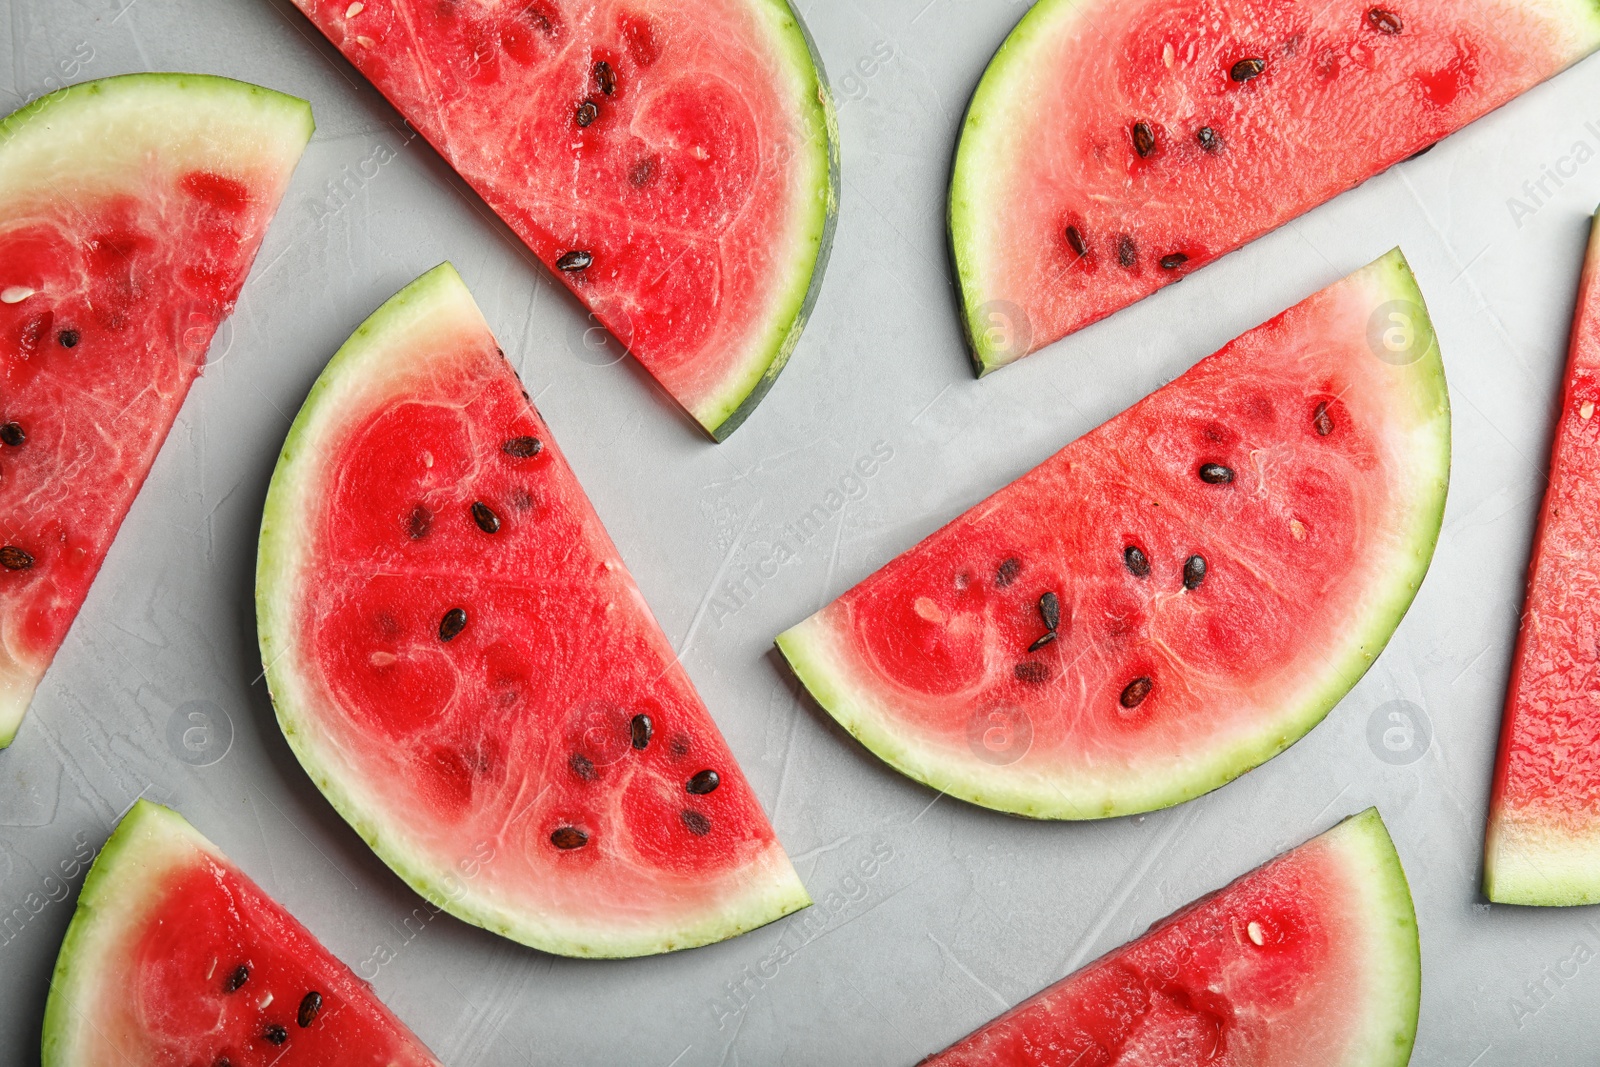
[
  {"x": 1113, "y": 147},
  {"x": 462, "y": 662},
  {"x": 673, "y": 164},
  {"x": 133, "y": 208},
  {"x": 175, "y": 957},
  {"x": 1309, "y": 961},
  {"x": 1543, "y": 843},
  {"x": 1176, "y": 596}
]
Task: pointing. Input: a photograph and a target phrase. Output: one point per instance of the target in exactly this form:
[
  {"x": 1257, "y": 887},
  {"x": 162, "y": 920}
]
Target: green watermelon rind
[
  {"x": 779, "y": 892},
  {"x": 1393, "y": 956},
  {"x": 726, "y": 410},
  {"x": 45, "y": 127},
  {"x": 807, "y": 646},
  {"x": 1539, "y": 865},
  {"x": 148, "y": 845}
]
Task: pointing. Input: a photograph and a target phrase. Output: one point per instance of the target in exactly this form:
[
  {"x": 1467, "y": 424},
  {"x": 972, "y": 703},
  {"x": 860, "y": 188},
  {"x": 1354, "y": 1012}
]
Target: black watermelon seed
[
  {"x": 1043, "y": 640},
  {"x": 523, "y": 447},
  {"x": 582, "y": 766},
  {"x": 13, "y": 558},
  {"x": 1322, "y": 420},
  {"x": 485, "y": 517},
  {"x": 1208, "y": 139},
  {"x": 1194, "y": 572},
  {"x": 1173, "y": 261},
  {"x": 1007, "y": 572},
  {"x": 275, "y": 1034},
  {"x": 567, "y": 838},
  {"x": 1246, "y": 69},
  {"x": 641, "y": 728},
  {"x": 605, "y": 77},
  {"x": 1032, "y": 672},
  {"x": 12, "y": 434},
  {"x": 223, "y": 1062},
  {"x": 1215, "y": 474},
  {"x": 587, "y": 113},
  {"x": 696, "y": 823},
  {"x": 1144, "y": 141},
  {"x": 67, "y": 338},
  {"x": 703, "y": 783},
  {"x": 680, "y": 745},
  {"x": 1385, "y": 22},
  {"x": 310, "y": 1005},
  {"x": 642, "y": 173},
  {"x": 1127, "y": 251},
  {"x": 1134, "y": 693},
  {"x": 237, "y": 979},
  {"x": 1075, "y": 239},
  {"x": 1050, "y": 611},
  {"x": 576, "y": 260},
  {"x": 454, "y": 621},
  {"x": 1137, "y": 562},
  {"x": 419, "y": 522}
]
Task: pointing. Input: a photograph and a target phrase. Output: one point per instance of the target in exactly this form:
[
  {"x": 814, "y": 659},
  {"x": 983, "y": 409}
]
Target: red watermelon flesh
[
  {"x": 1543, "y": 843},
  {"x": 461, "y": 660},
  {"x": 1113, "y": 147},
  {"x": 672, "y": 163},
  {"x": 1309, "y": 961},
  {"x": 1173, "y": 598},
  {"x": 133, "y": 209},
  {"x": 175, "y": 957}
]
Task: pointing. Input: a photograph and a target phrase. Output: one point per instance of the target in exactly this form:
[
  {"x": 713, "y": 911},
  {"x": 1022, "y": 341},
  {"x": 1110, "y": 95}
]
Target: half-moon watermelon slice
[
  {"x": 1175, "y": 597},
  {"x": 1114, "y": 146},
  {"x": 1543, "y": 842},
  {"x": 1309, "y": 961},
  {"x": 175, "y": 957},
  {"x": 674, "y": 164},
  {"x": 463, "y": 664},
  {"x": 131, "y": 209}
]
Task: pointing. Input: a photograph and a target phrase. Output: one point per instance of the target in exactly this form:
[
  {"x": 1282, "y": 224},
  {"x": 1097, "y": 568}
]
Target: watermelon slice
[
  {"x": 674, "y": 164},
  {"x": 174, "y": 957},
  {"x": 1114, "y": 146},
  {"x": 1173, "y": 598},
  {"x": 465, "y": 667},
  {"x": 132, "y": 209},
  {"x": 1543, "y": 843},
  {"x": 1309, "y": 961}
]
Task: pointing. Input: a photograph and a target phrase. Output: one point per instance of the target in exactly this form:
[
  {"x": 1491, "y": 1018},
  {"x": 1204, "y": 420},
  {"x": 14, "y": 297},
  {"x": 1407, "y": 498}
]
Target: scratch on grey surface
[
  {"x": 487, "y": 1029},
  {"x": 859, "y": 915},
  {"x": 680, "y": 1055},
  {"x": 133, "y": 35},
  {"x": 929, "y": 405},
  {"x": 1317, "y": 818},
  {"x": 788, "y": 752},
  {"x": 925, "y": 810},
  {"x": 833, "y": 558},
  {"x": 296, "y": 826},
  {"x": 821, "y": 850},
  {"x": 884, "y": 1016},
  {"x": 711, "y": 591},
  {"x": 733, "y": 1038},
  {"x": 1480, "y": 1056},
  {"x": 1005, "y": 1005},
  {"x": 87, "y": 621},
  {"x": 1473, "y": 662},
  {"x": 1130, "y": 880}
]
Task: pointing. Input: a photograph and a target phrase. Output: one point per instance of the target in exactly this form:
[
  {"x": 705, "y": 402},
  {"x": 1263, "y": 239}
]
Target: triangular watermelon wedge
[
  {"x": 1543, "y": 842},
  {"x": 131, "y": 209},
  {"x": 175, "y": 957},
  {"x": 674, "y": 164},
  {"x": 1311, "y": 960},
  {"x": 1115, "y": 146},
  {"x": 1178, "y": 595},
  {"x": 463, "y": 664}
]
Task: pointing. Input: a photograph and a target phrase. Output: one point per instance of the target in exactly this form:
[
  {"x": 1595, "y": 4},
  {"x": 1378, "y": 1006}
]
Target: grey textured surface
[{"x": 966, "y": 912}]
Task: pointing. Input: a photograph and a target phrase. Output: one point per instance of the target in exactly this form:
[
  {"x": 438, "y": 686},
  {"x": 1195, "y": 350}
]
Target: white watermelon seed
[
  {"x": 16, "y": 294},
  {"x": 365, "y": 42},
  {"x": 1254, "y": 930},
  {"x": 1587, "y": 411},
  {"x": 354, "y": 9}
]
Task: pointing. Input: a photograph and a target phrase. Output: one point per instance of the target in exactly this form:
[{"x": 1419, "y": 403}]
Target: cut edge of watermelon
[
  {"x": 129, "y": 102},
  {"x": 148, "y": 844},
  {"x": 773, "y": 890},
  {"x": 726, "y": 410},
  {"x": 819, "y": 655},
  {"x": 1394, "y": 949}
]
